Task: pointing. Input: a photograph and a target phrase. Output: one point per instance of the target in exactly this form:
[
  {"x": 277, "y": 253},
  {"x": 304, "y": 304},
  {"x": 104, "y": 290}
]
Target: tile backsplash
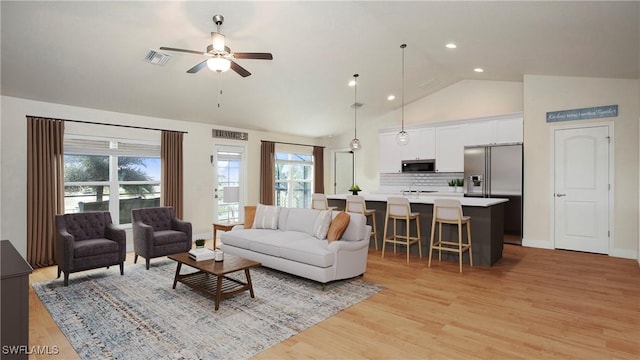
[{"x": 422, "y": 182}]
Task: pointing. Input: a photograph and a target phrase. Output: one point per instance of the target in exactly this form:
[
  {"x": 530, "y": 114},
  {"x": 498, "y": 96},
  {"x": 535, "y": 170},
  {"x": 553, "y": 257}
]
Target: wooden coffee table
[{"x": 211, "y": 278}]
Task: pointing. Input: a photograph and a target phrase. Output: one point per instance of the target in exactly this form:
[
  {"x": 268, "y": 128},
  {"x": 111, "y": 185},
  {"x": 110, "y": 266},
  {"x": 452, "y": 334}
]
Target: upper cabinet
[
  {"x": 446, "y": 143},
  {"x": 509, "y": 130},
  {"x": 422, "y": 144},
  {"x": 500, "y": 131}
]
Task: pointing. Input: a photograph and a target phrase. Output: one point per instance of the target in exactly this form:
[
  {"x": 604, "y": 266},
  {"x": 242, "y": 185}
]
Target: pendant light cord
[
  {"x": 355, "y": 106},
  {"x": 403, "y": 46}
]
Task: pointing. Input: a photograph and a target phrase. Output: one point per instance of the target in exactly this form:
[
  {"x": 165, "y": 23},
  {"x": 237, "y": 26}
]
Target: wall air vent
[
  {"x": 231, "y": 135},
  {"x": 157, "y": 58}
]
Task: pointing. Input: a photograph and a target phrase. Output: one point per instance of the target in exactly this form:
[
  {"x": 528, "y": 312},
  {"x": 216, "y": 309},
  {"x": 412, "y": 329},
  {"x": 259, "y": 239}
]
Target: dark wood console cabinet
[{"x": 14, "y": 300}]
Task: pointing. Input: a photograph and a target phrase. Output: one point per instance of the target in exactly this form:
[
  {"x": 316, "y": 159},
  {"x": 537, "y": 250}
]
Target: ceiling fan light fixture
[
  {"x": 217, "y": 41},
  {"x": 218, "y": 64}
]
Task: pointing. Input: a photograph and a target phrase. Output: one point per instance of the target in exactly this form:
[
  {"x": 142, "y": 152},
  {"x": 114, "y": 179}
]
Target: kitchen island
[{"x": 487, "y": 222}]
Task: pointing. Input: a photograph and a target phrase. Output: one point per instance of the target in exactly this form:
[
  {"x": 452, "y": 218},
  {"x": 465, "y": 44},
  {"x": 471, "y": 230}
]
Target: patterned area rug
[{"x": 139, "y": 315}]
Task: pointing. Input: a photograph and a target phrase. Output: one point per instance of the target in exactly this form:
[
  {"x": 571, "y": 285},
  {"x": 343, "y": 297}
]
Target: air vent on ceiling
[{"x": 157, "y": 58}]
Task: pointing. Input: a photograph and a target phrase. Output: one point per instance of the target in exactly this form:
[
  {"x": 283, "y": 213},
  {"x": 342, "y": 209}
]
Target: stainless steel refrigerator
[{"x": 496, "y": 171}]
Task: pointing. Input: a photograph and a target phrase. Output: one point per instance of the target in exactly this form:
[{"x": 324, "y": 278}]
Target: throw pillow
[
  {"x": 321, "y": 225},
  {"x": 249, "y": 215},
  {"x": 338, "y": 226},
  {"x": 266, "y": 217}
]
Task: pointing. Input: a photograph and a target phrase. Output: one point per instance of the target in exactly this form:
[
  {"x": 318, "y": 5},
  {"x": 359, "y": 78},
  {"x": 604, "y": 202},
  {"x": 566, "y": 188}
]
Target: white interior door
[
  {"x": 229, "y": 167},
  {"x": 581, "y": 193}
]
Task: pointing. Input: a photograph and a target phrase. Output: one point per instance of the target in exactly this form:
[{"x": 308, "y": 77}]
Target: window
[
  {"x": 110, "y": 175},
  {"x": 294, "y": 179}
]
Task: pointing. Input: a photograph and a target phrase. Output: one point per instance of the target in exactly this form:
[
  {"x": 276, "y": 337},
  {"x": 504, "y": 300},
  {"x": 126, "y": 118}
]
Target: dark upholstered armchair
[
  {"x": 157, "y": 232},
  {"x": 87, "y": 241}
]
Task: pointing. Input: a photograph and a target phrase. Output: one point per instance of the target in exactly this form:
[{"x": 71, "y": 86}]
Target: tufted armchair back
[
  {"x": 159, "y": 218},
  {"x": 83, "y": 226}
]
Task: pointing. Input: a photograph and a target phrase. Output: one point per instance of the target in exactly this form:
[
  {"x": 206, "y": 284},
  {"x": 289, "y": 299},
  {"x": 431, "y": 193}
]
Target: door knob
[{"x": 560, "y": 195}]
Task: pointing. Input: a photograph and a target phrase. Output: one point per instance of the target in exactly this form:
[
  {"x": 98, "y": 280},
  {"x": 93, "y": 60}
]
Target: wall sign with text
[{"x": 582, "y": 114}]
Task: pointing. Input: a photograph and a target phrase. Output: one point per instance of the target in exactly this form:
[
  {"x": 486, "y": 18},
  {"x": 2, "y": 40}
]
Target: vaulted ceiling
[{"x": 91, "y": 54}]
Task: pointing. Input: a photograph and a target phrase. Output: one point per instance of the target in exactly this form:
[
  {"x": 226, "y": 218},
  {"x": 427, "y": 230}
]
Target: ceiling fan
[{"x": 220, "y": 56}]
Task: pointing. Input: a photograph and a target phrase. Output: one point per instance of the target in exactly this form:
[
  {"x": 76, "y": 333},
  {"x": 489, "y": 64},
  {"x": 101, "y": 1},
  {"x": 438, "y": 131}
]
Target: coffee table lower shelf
[
  {"x": 211, "y": 279},
  {"x": 220, "y": 287}
]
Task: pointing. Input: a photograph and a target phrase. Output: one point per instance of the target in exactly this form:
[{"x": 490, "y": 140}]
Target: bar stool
[
  {"x": 449, "y": 211},
  {"x": 320, "y": 202},
  {"x": 398, "y": 208},
  {"x": 356, "y": 204}
]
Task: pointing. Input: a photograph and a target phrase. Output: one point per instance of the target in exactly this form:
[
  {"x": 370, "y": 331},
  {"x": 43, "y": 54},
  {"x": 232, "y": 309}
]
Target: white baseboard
[
  {"x": 624, "y": 253},
  {"x": 206, "y": 235},
  {"x": 542, "y": 244}
]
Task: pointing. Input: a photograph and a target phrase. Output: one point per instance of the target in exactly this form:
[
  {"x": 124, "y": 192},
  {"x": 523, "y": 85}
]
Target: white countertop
[{"x": 427, "y": 198}]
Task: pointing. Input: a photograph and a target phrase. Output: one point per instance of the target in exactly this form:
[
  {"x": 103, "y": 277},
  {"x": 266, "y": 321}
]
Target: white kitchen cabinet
[
  {"x": 480, "y": 132},
  {"x": 390, "y": 153},
  {"x": 422, "y": 144},
  {"x": 509, "y": 130},
  {"x": 450, "y": 142}
]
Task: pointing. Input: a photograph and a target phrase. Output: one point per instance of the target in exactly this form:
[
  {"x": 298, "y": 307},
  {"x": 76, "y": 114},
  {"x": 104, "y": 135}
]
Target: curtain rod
[
  {"x": 288, "y": 143},
  {"x": 107, "y": 124}
]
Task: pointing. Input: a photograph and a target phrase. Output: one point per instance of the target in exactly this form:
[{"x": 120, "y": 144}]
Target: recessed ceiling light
[
  {"x": 391, "y": 97},
  {"x": 451, "y": 46},
  {"x": 352, "y": 83},
  {"x": 478, "y": 70}
]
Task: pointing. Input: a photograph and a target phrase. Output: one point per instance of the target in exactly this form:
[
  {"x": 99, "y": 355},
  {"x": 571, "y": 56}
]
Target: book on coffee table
[{"x": 200, "y": 254}]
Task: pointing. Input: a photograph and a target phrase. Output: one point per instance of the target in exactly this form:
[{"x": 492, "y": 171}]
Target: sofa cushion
[
  {"x": 300, "y": 219},
  {"x": 321, "y": 225},
  {"x": 266, "y": 217},
  {"x": 249, "y": 215},
  {"x": 273, "y": 243},
  {"x": 338, "y": 226},
  {"x": 93, "y": 247},
  {"x": 242, "y": 238},
  {"x": 165, "y": 237},
  {"x": 357, "y": 228},
  {"x": 308, "y": 251}
]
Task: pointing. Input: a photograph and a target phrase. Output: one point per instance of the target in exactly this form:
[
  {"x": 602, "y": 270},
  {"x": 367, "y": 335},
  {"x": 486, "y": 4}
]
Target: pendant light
[
  {"x": 354, "y": 145},
  {"x": 403, "y": 137}
]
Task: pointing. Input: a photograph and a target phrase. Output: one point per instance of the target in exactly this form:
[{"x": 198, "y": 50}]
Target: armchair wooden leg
[
  {"x": 59, "y": 271},
  {"x": 135, "y": 259},
  {"x": 122, "y": 268},
  {"x": 148, "y": 261},
  {"x": 66, "y": 279}
]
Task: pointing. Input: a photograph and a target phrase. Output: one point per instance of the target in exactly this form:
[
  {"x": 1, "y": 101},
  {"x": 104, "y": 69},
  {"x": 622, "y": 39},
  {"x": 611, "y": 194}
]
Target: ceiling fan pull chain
[{"x": 219, "y": 89}]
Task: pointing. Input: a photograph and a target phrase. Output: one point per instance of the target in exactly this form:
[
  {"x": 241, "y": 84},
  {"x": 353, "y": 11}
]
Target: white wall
[
  {"x": 197, "y": 147},
  {"x": 462, "y": 100},
  {"x": 551, "y": 93}
]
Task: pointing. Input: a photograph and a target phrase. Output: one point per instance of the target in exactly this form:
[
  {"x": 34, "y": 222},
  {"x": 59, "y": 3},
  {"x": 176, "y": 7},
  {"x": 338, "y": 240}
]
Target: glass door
[{"x": 229, "y": 165}]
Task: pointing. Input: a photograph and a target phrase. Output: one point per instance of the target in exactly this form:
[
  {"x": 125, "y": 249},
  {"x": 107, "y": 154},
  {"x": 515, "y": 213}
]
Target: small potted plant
[
  {"x": 452, "y": 185},
  {"x": 354, "y": 189},
  {"x": 459, "y": 184},
  {"x": 200, "y": 243}
]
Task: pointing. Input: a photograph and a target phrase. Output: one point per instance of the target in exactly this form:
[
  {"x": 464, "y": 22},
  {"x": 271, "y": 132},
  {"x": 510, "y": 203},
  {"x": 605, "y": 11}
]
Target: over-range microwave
[{"x": 418, "y": 166}]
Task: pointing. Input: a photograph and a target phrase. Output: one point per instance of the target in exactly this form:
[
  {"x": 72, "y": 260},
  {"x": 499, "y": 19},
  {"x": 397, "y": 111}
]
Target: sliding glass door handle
[{"x": 560, "y": 195}]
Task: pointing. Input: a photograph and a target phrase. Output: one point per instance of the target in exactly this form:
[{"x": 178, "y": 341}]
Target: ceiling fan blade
[
  {"x": 255, "y": 56},
  {"x": 198, "y": 67},
  {"x": 182, "y": 50},
  {"x": 239, "y": 69}
]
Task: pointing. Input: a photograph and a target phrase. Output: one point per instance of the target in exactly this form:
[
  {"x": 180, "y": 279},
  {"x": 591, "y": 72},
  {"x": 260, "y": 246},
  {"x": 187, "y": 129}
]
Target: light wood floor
[{"x": 533, "y": 304}]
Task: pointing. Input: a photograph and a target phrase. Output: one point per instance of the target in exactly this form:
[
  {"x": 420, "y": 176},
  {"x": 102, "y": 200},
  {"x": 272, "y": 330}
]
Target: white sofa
[{"x": 293, "y": 248}]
